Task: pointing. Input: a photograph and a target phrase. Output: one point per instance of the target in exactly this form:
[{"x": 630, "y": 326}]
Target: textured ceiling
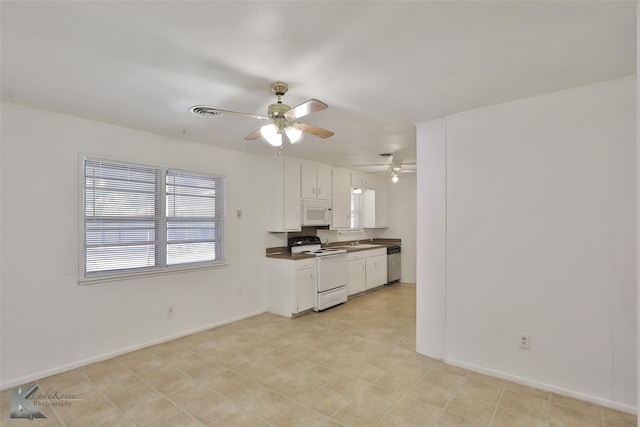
[{"x": 381, "y": 66}]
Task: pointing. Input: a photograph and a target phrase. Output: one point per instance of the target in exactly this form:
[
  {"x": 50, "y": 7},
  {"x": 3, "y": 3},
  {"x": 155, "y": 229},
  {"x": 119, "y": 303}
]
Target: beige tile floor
[{"x": 352, "y": 365}]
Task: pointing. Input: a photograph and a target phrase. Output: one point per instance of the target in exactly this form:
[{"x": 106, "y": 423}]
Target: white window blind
[
  {"x": 133, "y": 223},
  {"x": 195, "y": 213},
  {"x": 355, "y": 211}
]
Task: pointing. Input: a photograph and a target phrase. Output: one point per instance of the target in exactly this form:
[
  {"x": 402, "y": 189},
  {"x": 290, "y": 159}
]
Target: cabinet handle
[
  {"x": 313, "y": 190},
  {"x": 319, "y": 191}
]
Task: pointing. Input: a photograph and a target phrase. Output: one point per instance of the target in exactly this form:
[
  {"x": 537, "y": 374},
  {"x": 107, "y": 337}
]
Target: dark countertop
[{"x": 282, "y": 252}]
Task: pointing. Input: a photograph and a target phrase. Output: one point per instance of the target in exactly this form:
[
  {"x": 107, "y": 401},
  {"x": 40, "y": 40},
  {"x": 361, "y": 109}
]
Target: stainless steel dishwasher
[{"x": 393, "y": 264}]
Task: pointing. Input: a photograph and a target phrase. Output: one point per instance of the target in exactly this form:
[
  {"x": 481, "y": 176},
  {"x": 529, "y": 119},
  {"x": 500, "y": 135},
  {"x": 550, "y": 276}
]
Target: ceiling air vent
[{"x": 206, "y": 111}]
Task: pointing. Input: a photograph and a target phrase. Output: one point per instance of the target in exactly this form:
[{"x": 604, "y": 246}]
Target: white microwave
[{"x": 316, "y": 212}]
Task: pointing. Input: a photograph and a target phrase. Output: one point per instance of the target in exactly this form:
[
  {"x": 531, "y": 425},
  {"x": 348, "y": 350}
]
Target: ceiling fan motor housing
[
  {"x": 279, "y": 88},
  {"x": 277, "y": 110},
  {"x": 276, "y": 113}
]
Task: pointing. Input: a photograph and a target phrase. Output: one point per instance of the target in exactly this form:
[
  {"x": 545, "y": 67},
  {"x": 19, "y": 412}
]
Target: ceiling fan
[
  {"x": 279, "y": 114},
  {"x": 393, "y": 167}
]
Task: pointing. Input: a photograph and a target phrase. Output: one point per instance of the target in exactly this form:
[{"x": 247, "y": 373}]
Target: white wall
[
  {"x": 638, "y": 203},
  {"x": 431, "y": 252},
  {"x": 49, "y": 322},
  {"x": 401, "y": 221},
  {"x": 540, "y": 239}
]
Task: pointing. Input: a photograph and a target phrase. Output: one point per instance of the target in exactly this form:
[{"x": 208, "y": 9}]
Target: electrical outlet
[
  {"x": 171, "y": 311},
  {"x": 525, "y": 341}
]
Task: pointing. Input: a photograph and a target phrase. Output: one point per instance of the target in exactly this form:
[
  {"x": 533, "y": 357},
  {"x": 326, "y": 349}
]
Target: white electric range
[{"x": 331, "y": 270}]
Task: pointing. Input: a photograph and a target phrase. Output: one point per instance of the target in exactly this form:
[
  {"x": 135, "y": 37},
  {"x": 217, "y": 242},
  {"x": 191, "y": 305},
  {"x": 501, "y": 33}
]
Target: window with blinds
[
  {"x": 355, "y": 211},
  {"x": 141, "y": 218}
]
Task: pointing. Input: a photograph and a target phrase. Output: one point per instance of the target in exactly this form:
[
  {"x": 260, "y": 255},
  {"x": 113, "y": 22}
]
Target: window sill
[
  {"x": 345, "y": 231},
  {"x": 128, "y": 276}
]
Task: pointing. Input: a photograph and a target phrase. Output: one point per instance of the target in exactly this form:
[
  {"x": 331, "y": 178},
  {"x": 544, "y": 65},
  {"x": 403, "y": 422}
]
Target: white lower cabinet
[
  {"x": 376, "y": 268},
  {"x": 305, "y": 285},
  {"x": 356, "y": 273},
  {"x": 366, "y": 270},
  {"x": 292, "y": 285}
]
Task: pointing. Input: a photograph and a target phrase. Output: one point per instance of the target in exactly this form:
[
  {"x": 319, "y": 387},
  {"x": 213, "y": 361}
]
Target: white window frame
[
  {"x": 355, "y": 211},
  {"x": 160, "y": 229}
]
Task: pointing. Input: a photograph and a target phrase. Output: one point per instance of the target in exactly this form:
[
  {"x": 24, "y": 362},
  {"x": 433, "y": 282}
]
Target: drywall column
[
  {"x": 541, "y": 241},
  {"x": 638, "y": 209},
  {"x": 431, "y": 249}
]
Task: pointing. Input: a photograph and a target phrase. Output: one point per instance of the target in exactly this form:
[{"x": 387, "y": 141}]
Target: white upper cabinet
[
  {"x": 362, "y": 180},
  {"x": 325, "y": 183},
  {"x": 341, "y": 199},
  {"x": 316, "y": 182},
  {"x": 284, "y": 195}
]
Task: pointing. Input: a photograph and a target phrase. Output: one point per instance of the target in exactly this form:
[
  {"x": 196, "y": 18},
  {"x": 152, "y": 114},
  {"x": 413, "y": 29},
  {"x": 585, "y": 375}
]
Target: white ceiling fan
[
  {"x": 280, "y": 116},
  {"x": 393, "y": 167}
]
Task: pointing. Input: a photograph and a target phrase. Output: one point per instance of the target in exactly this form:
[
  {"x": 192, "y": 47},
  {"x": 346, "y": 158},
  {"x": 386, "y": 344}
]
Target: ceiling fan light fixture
[
  {"x": 271, "y": 134},
  {"x": 394, "y": 178},
  {"x": 293, "y": 134}
]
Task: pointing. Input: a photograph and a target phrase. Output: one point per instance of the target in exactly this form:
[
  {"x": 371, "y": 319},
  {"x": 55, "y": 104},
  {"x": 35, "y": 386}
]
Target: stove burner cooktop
[
  {"x": 311, "y": 245},
  {"x": 326, "y": 251}
]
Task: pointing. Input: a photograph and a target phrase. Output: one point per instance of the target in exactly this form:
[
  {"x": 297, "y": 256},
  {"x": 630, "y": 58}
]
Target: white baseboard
[
  {"x": 546, "y": 387},
  {"x": 64, "y": 368}
]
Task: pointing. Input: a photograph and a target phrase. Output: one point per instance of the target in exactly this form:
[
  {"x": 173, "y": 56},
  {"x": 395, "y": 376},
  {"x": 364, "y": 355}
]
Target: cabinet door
[
  {"x": 356, "y": 276},
  {"x": 291, "y": 196},
  {"x": 309, "y": 181},
  {"x": 382, "y": 269},
  {"x": 341, "y": 217},
  {"x": 363, "y": 181},
  {"x": 324, "y": 183},
  {"x": 376, "y": 271},
  {"x": 284, "y": 195},
  {"x": 306, "y": 287}
]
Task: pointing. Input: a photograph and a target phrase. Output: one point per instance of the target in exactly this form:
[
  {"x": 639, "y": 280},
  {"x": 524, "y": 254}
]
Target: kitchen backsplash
[{"x": 326, "y": 235}]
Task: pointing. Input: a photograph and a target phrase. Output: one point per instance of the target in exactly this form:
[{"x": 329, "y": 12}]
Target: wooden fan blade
[
  {"x": 213, "y": 112},
  {"x": 322, "y": 133},
  {"x": 236, "y": 113},
  {"x": 254, "y": 135},
  {"x": 306, "y": 108}
]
